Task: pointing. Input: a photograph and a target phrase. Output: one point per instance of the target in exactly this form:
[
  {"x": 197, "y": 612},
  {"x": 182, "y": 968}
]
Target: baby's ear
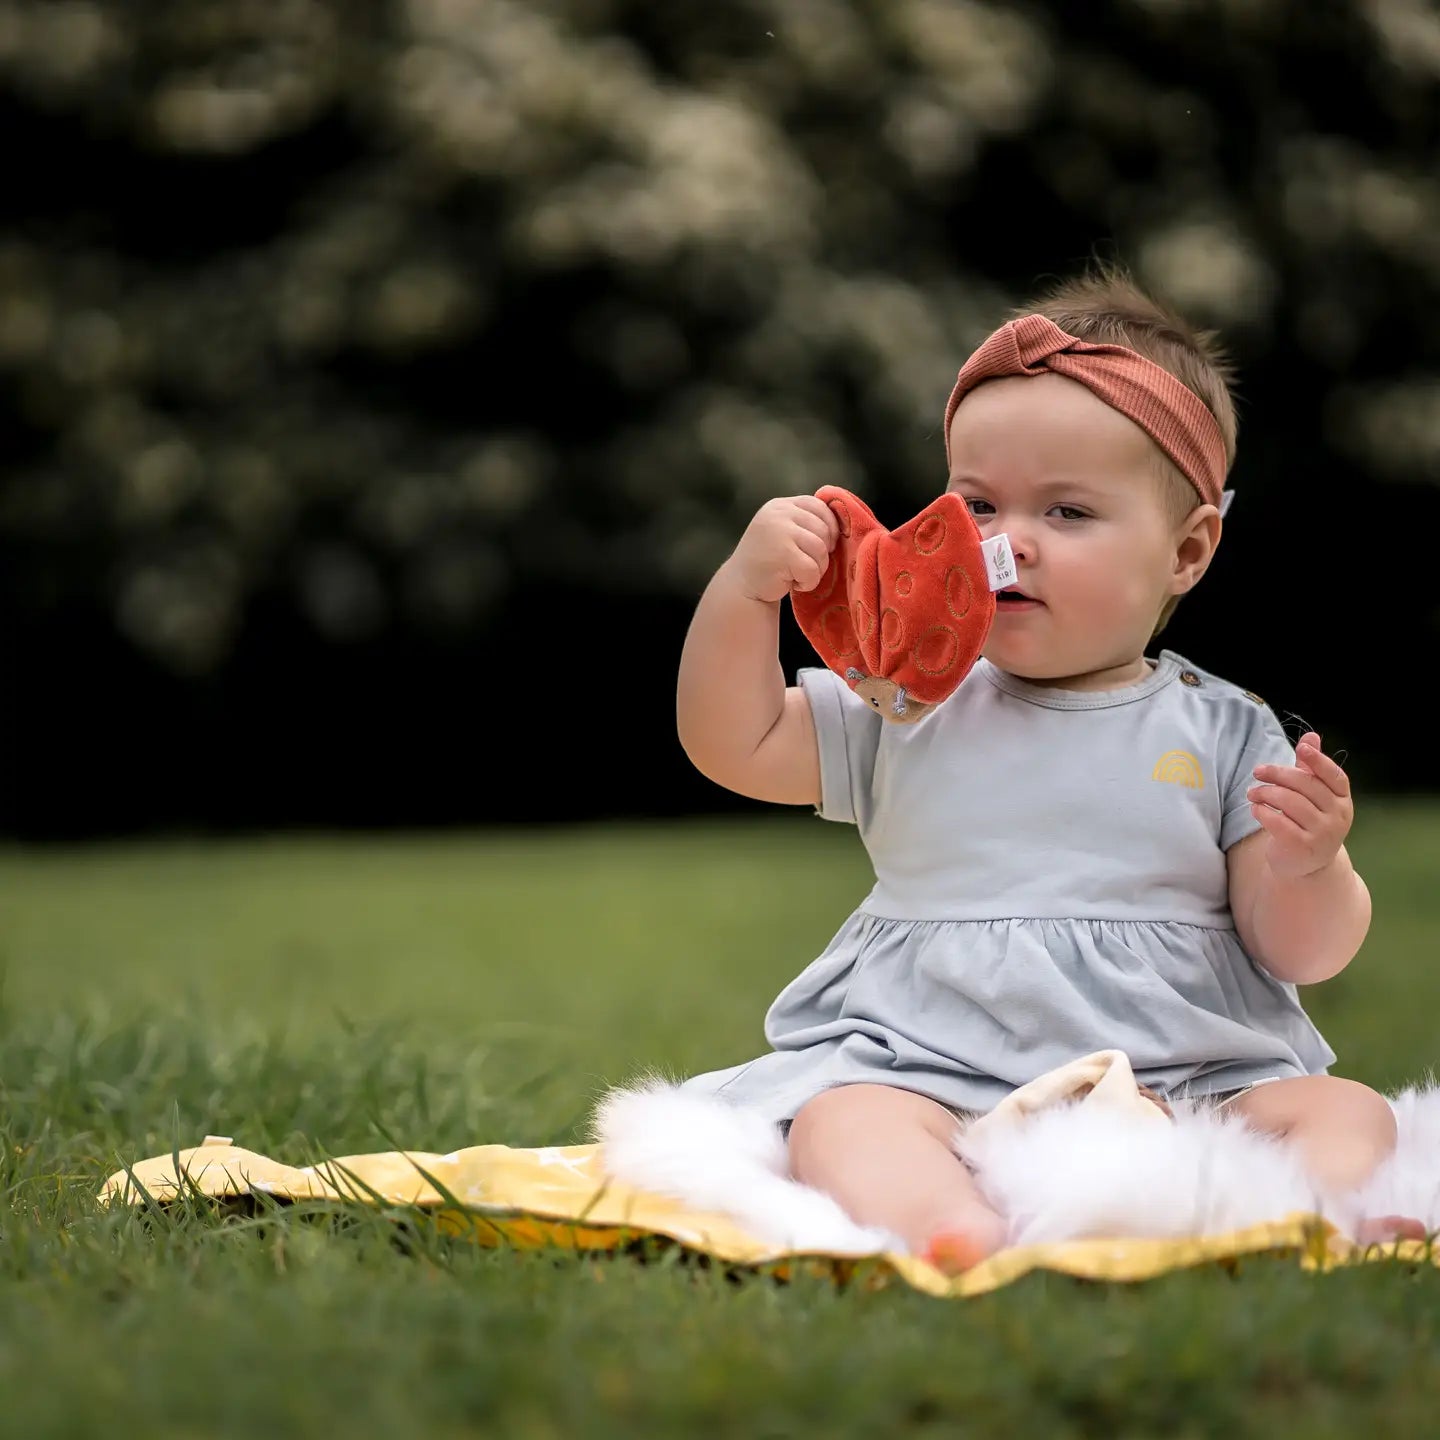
[{"x": 1199, "y": 539}]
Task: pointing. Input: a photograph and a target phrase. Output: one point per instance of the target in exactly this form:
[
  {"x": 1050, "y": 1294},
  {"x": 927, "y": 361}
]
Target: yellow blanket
[{"x": 559, "y": 1196}]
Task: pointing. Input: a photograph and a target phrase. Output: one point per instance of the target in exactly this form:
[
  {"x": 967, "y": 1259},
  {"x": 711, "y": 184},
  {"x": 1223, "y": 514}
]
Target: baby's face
[{"x": 1076, "y": 487}]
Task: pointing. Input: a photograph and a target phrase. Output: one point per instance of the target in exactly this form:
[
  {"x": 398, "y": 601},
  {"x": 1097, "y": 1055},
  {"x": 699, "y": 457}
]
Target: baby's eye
[
  {"x": 1070, "y": 512},
  {"x": 980, "y": 507}
]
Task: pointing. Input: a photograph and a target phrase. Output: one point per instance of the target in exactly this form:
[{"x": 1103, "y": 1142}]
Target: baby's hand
[
  {"x": 785, "y": 547},
  {"x": 1305, "y": 809}
]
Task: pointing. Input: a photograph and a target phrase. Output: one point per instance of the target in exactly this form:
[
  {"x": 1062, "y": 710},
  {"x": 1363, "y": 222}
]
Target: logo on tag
[{"x": 999, "y": 562}]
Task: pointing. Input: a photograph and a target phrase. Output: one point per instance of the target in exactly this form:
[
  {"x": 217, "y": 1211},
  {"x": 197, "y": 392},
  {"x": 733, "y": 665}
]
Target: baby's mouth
[{"x": 1012, "y": 595}]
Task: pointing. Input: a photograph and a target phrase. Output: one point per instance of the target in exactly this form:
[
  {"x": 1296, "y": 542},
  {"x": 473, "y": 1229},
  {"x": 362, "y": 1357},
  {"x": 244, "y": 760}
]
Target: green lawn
[{"x": 352, "y": 994}]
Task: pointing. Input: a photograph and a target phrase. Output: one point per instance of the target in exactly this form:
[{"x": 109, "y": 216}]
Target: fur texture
[
  {"x": 1080, "y": 1170},
  {"x": 1064, "y": 1174},
  {"x": 715, "y": 1156},
  {"x": 1408, "y": 1183}
]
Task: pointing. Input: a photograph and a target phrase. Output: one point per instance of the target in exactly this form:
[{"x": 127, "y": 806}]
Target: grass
[{"x": 351, "y": 994}]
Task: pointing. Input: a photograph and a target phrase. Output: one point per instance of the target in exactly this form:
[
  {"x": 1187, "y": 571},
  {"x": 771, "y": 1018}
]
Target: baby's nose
[
  {"x": 1012, "y": 524},
  {"x": 1021, "y": 545}
]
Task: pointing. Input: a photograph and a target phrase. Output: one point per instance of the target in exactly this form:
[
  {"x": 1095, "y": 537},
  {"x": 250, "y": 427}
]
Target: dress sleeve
[
  {"x": 847, "y": 732},
  {"x": 1250, "y": 735}
]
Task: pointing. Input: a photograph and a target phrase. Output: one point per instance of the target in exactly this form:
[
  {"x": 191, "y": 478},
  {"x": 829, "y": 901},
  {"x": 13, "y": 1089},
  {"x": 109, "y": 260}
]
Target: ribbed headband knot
[{"x": 1172, "y": 414}]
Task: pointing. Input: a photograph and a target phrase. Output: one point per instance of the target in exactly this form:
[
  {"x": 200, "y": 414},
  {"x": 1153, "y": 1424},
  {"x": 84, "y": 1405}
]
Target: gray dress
[{"x": 1050, "y": 880}]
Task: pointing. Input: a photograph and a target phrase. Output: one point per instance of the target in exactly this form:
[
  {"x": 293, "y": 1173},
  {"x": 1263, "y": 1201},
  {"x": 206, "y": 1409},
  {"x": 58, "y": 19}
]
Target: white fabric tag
[
  {"x": 1226, "y": 496},
  {"x": 999, "y": 562}
]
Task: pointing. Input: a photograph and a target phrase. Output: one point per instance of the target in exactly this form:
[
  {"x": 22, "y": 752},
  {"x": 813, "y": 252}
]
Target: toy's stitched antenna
[{"x": 898, "y": 704}]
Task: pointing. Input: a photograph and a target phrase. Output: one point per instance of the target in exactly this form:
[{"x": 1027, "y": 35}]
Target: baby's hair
[{"x": 1106, "y": 306}]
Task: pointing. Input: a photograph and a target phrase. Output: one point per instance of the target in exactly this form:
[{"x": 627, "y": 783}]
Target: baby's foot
[
  {"x": 957, "y": 1247},
  {"x": 1381, "y": 1229},
  {"x": 953, "y": 1252}
]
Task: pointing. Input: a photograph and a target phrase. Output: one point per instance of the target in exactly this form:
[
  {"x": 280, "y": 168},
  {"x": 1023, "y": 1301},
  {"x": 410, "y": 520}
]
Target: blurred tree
[{"x": 346, "y": 343}]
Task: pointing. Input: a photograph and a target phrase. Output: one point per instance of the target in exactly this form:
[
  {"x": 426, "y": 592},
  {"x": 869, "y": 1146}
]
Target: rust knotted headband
[{"x": 1172, "y": 414}]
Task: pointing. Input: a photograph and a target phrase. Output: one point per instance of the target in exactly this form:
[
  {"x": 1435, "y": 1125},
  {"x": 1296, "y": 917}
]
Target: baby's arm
[
  {"x": 1300, "y": 908},
  {"x": 738, "y": 722}
]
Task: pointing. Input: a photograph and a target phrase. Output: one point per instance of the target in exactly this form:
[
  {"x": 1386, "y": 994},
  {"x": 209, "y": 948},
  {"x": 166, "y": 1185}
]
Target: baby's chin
[
  {"x": 1036, "y": 669},
  {"x": 1072, "y": 672}
]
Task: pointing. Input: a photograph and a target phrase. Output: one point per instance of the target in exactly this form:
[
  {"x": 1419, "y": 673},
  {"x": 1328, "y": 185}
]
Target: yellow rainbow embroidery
[{"x": 1179, "y": 767}]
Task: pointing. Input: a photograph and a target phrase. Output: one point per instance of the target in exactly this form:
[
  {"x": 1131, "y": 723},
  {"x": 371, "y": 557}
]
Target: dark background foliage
[{"x": 381, "y": 382}]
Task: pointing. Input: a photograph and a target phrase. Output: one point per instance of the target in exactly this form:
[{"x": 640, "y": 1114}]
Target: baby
[{"x": 1084, "y": 847}]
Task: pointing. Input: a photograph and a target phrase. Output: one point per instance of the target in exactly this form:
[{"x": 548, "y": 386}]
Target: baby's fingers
[
  {"x": 823, "y": 526},
  {"x": 1320, "y": 765},
  {"x": 1293, "y": 777},
  {"x": 1289, "y": 803},
  {"x": 812, "y": 506},
  {"x": 810, "y": 559}
]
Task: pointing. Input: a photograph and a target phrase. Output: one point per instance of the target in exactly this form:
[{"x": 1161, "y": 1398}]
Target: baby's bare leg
[
  {"x": 884, "y": 1154},
  {"x": 1343, "y": 1130}
]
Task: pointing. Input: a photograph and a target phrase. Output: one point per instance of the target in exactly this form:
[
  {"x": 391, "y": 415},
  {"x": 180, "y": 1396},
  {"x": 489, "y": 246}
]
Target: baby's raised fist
[{"x": 785, "y": 547}]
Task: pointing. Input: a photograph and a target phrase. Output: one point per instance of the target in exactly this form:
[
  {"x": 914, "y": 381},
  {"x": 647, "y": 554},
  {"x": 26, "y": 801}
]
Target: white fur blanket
[{"x": 1066, "y": 1173}]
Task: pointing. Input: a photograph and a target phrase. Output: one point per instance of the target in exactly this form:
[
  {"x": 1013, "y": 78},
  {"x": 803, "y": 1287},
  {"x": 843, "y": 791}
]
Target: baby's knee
[
  {"x": 1332, "y": 1102},
  {"x": 819, "y": 1125},
  {"x": 832, "y": 1121},
  {"x": 829, "y": 1113},
  {"x": 1367, "y": 1110},
  {"x": 1364, "y": 1108}
]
